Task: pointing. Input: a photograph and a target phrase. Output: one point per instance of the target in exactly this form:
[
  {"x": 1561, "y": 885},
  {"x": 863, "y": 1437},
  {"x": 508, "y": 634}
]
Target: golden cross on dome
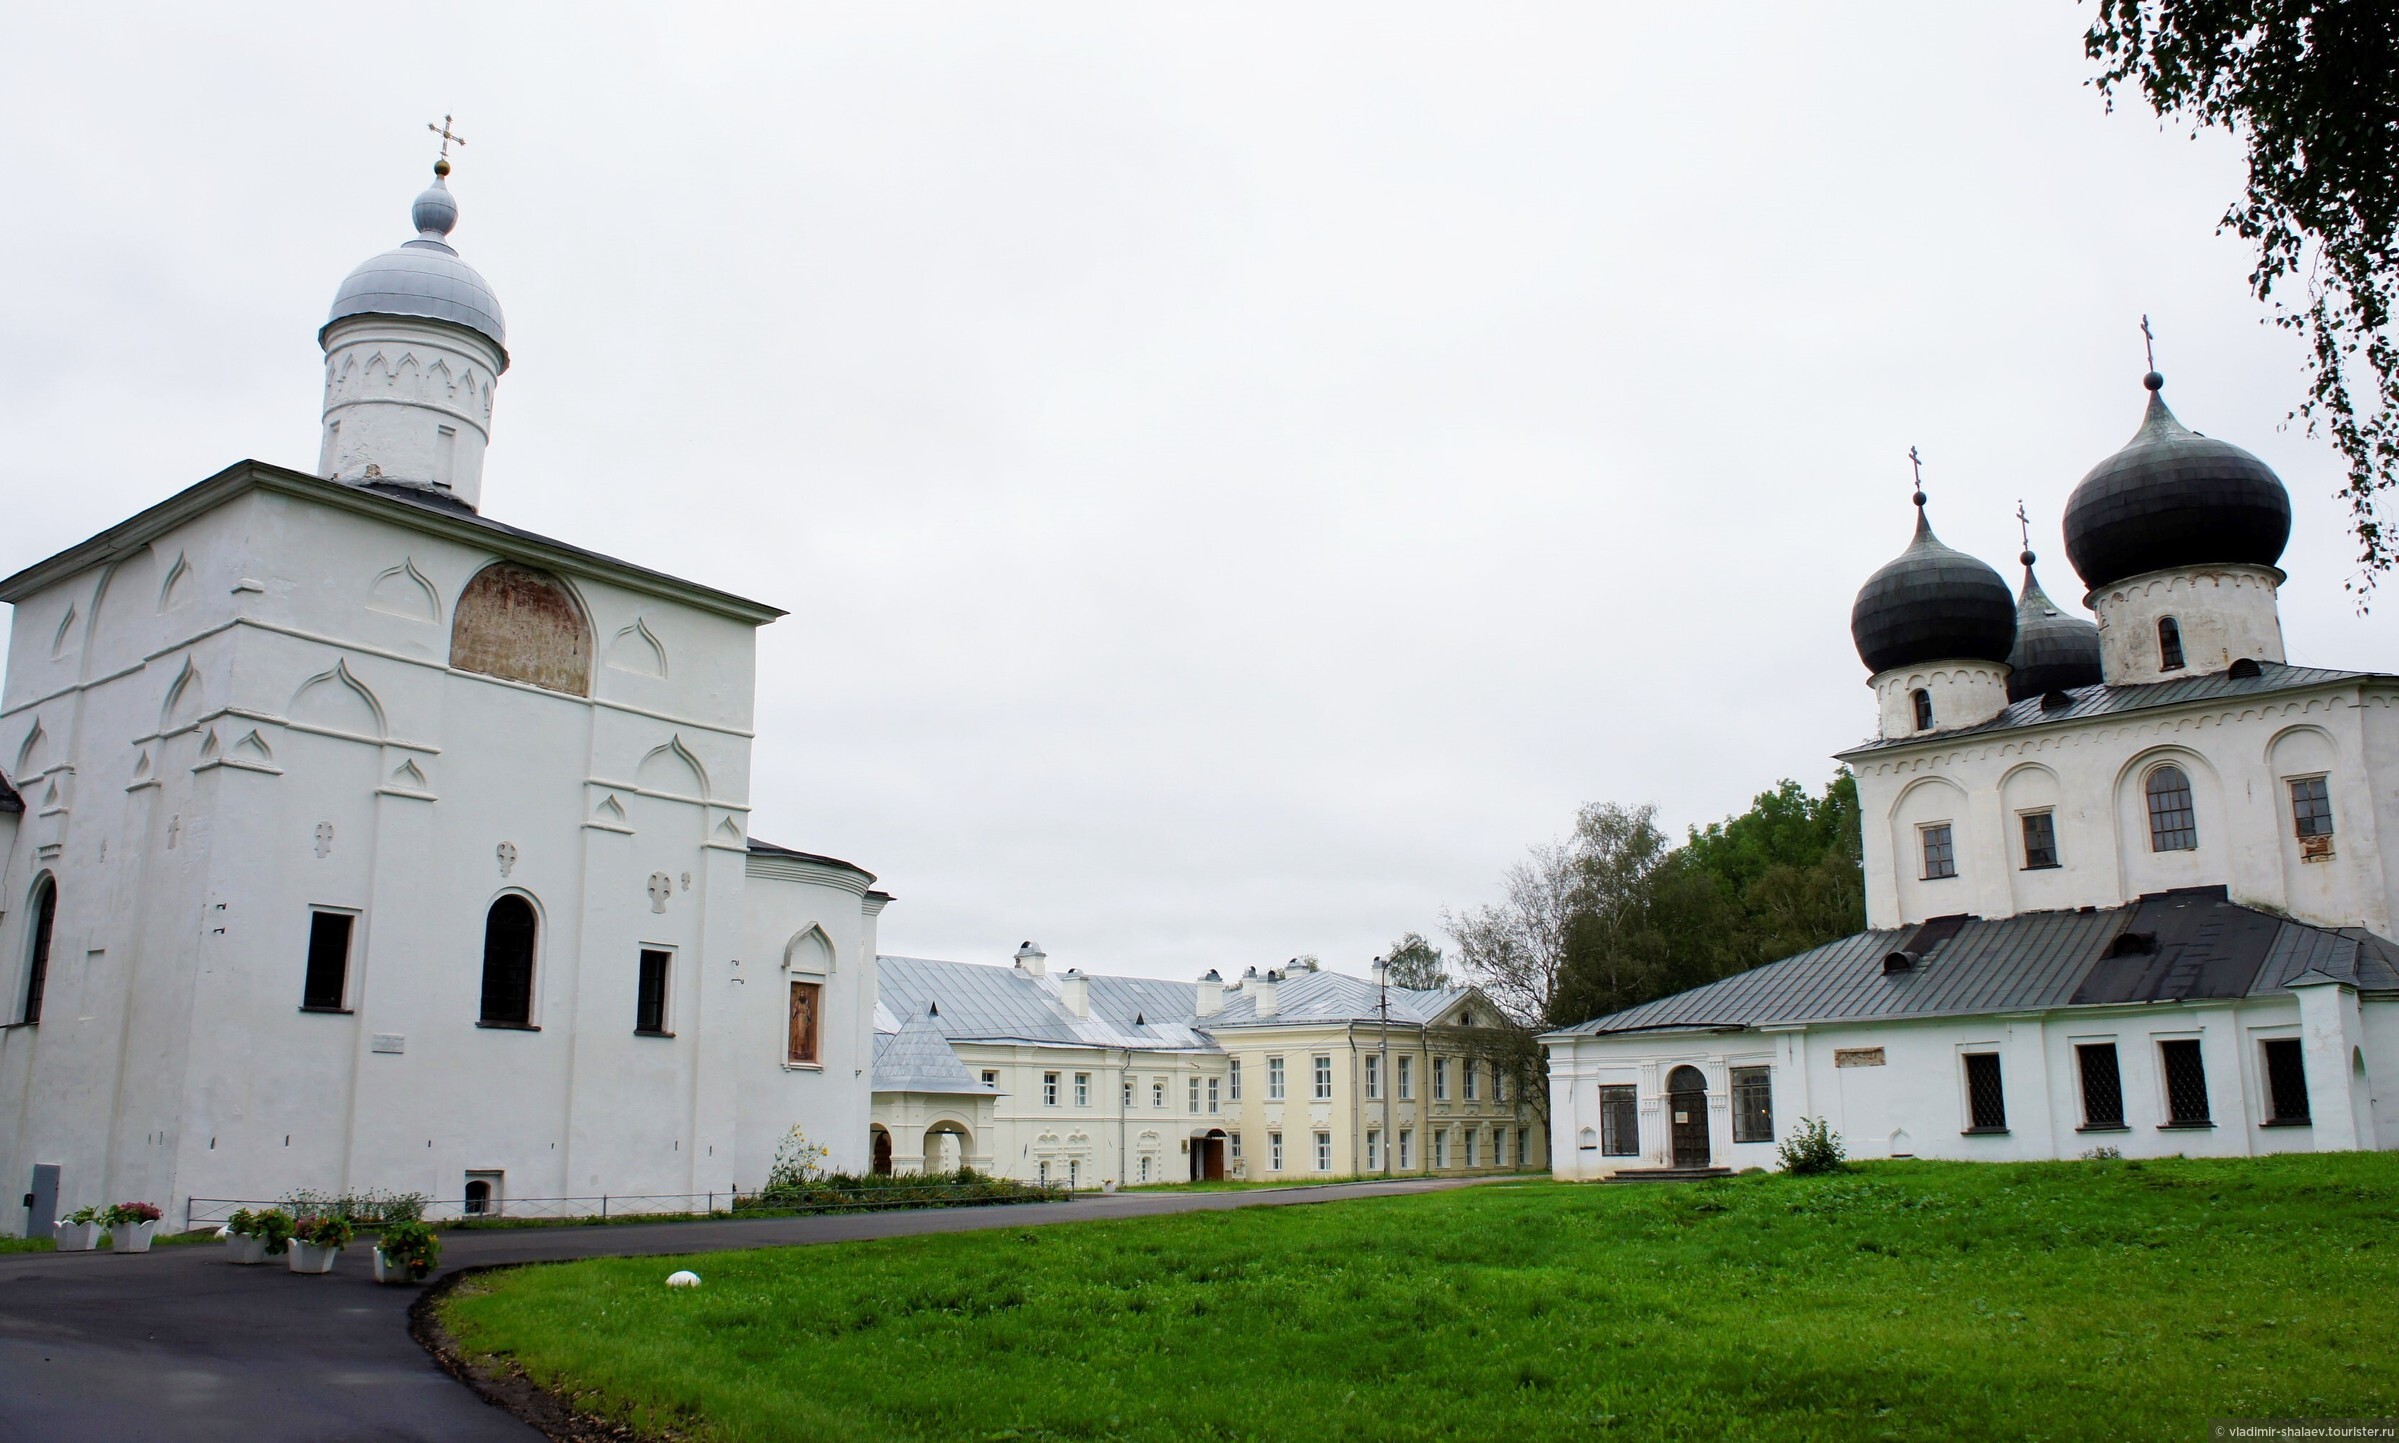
[{"x": 448, "y": 136}]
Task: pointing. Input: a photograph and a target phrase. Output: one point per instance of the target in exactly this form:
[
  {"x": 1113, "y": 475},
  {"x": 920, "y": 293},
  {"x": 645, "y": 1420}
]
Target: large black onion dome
[
  {"x": 2054, "y": 651},
  {"x": 2171, "y": 498},
  {"x": 1932, "y": 604}
]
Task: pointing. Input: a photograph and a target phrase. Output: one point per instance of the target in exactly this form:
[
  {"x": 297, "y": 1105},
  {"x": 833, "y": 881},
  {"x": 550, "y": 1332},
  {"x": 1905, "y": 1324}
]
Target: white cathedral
[
  {"x": 2130, "y": 886},
  {"x": 358, "y": 839}
]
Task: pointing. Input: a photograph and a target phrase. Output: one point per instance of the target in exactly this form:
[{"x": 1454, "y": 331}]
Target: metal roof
[
  {"x": 2177, "y": 946},
  {"x": 1314, "y": 998},
  {"x": 917, "y": 1058},
  {"x": 769, "y": 849},
  {"x": 2097, "y": 701}
]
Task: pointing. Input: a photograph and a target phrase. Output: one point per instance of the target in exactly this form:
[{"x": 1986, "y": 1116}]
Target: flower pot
[
  {"x": 78, "y": 1237},
  {"x": 387, "y": 1271},
  {"x": 309, "y": 1258},
  {"x": 245, "y": 1251},
  {"x": 131, "y": 1237},
  {"x": 1109, "y": 1186}
]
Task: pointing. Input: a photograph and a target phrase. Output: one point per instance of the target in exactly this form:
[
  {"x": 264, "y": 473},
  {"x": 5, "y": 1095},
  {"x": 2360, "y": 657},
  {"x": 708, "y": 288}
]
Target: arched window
[
  {"x": 524, "y": 625},
  {"x": 2169, "y": 644},
  {"x": 478, "y": 1198},
  {"x": 508, "y": 936},
  {"x": 1924, "y": 709},
  {"x": 2173, "y": 824},
  {"x": 45, "y": 917}
]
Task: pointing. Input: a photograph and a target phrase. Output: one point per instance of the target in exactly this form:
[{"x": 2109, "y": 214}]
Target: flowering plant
[
  {"x": 324, "y": 1230},
  {"x": 410, "y": 1247},
  {"x": 122, "y": 1213},
  {"x": 84, "y": 1215},
  {"x": 272, "y": 1226}
]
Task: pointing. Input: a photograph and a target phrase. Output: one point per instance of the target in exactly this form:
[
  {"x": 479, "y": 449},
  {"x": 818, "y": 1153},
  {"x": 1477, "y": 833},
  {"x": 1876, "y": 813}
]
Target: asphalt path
[{"x": 177, "y": 1344}]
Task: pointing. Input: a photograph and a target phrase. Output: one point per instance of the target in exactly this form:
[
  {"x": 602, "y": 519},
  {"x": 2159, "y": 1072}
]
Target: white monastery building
[
  {"x": 2129, "y": 884},
  {"x": 360, "y": 840}
]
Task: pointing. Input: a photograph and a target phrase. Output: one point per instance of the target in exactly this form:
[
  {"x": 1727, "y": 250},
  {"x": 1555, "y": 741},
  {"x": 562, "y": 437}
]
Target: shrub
[
  {"x": 120, "y": 1214},
  {"x": 2103, "y": 1154},
  {"x": 324, "y": 1230},
  {"x": 361, "y": 1209},
  {"x": 410, "y": 1247},
  {"x": 272, "y": 1226},
  {"x": 798, "y": 1162},
  {"x": 87, "y": 1215},
  {"x": 1813, "y": 1147},
  {"x": 820, "y": 1191}
]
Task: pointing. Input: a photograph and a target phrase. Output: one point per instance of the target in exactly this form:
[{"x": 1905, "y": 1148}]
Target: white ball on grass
[{"x": 683, "y": 1279}]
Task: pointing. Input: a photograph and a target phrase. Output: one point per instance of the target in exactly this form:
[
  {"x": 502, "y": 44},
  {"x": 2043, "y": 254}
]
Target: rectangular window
[
  {"x": 991, "y": 1077},
  {"x": 1324, "y": 1152},
  {"x": 1193, "y": 1090},
  {"x": 1157, "y": 1092},
  {"x": 649, "y": 1008},
  {"x": 1145, "y": 1167},
  {"x": 1407, "y": 1078},
  {"x": 1471, "y": 1134},
  {"x": 1524, "y": 1144},
  {"x": 2186, "y": 1083},
  {"x": 1042, "y": 1171},
  {"x": 1374, "y": 1075},
  {"x": 2102, "y": 1084},
  {"x": 1499, "y": 1147},
  {"x": 1499, "y": 1083},
  {"x": 1753, "y": 1104},
  {"x": 1374, "y": 1150},
  {"x": 1128, "y": 1092},
  {"x": 2286, "y": 1081},
  {"x": 1986, "y": 1100},
  {"x": 1324, "y": 1079},
  {"x": 1274, "y": 1152},
  {"x": 1082, "y": 1089},
  {"x": 1940, "y": 857},
  {"x": 1233, "y": 1078},
  {"x": 2311, "y": 807},
  {"x": 1619, "y": 1122},
  {"x": 1407, "y": 1148},
  {"x": 1233, "y": 1146},
  {"x": 800, "y": 1039},
  {"x": 1049, "y": 1089},
  {"x": 1440, "y": 1081},
  {"x": 328, "y": 978},
  {"x": 1274, "y": 1079},
  {"x": 1441, "y": 1148},
  {"x": 2040, "y": 840},
  {"x": 1469, "y": 1070},
  {"x": 1213, "y": 1103}
]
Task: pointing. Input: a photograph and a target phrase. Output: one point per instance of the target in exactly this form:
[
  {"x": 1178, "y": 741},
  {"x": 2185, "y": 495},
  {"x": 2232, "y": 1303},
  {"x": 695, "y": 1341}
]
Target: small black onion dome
[
  {"x": 2054, "y": 651},
  {"x": 1932, "y": 604},
  {"x": 2173, "y": 497}
]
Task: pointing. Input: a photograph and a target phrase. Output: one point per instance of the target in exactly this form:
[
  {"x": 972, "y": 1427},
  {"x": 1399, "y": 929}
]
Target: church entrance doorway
[
  {"x": 1207, "y": 1157},
  {"x": 1687, "y": 1116},
  {"x": 882, "y": 1153}
]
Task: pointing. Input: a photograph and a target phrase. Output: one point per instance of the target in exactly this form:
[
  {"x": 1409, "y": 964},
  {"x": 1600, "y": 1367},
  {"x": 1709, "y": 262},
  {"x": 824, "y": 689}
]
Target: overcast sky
[{"x": 1238, "y": 474}]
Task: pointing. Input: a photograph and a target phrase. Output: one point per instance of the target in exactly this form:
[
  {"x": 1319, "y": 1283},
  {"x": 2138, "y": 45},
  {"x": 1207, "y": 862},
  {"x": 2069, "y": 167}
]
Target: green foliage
[
  {"x": 798, "y": 1162},
  {"x": 324, "y": 1230},
  {"x": 1812, "y": 1148},
  {"x": 1415, "y": 962},
  {"x": 819, "y": 1191},
  {"x": 2312, "y": 89},
  {"x": 273, "y": 1226},
  {"x": 370, "y": 1208},
  {"x": 410, "y": 1247},
  {"x": 1893, "y": 1300}
]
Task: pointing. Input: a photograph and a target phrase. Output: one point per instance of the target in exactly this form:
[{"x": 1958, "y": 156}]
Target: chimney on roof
[
  {"x": 1032, "y": 960},
  {"x": 1074, "y": 989},
  {"x": 1211, "y": 994},
  {"x": 1263, "y": 990}
]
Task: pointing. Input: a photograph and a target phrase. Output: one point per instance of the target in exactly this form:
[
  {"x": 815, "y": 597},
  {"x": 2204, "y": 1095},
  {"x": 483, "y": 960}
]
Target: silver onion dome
[{"x": 424, "y": 277}]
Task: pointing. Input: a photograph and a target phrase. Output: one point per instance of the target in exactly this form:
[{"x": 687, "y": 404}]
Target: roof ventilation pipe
[
  {"x": 1211, "y": 994},
  {"x": 1074, "y": 989},
  {"x": 1263, "y": 990},
  {"x": 1033, "y": 960}
]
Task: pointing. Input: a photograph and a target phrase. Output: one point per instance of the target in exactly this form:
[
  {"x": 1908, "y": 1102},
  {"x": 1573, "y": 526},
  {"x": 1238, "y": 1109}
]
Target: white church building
[
  {"x": 2128, "y": 884},
  {"x": 361, "y": 840}
]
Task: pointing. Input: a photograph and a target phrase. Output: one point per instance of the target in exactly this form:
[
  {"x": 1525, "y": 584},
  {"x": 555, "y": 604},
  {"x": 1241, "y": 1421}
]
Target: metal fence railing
[{"x": 200, "y": 1212}]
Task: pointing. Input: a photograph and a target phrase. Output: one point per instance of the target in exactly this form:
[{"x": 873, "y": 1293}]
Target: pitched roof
[
  {"x": 917, "y": 1058},
  {"x": 769, "y": 849},
  {"x": 2098, "y": 701},
  {"x": 2176, "y": 946},
  {"x": 1314, "y": 998}
]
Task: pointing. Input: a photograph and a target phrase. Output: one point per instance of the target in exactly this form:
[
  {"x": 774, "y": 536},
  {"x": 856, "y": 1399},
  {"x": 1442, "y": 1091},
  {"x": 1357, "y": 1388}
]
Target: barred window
[
  {"x": 2040, "y": 840},
  {"x": 2169, "y": 644},
  {"x": 1753, "y": 1104},
  {"x": 1940, "y": 855},
  {"x": 2173, "y": 824},
  {"x": 2186, "y": 1082},
  {"x": 1986, "y": 1099},
  {"x": 1619, "y": 1123},
  {"x": 2311, "y": 807},
  {"x": 2286, "y": 1080},
  {"x": 2102, "y": 1085}
]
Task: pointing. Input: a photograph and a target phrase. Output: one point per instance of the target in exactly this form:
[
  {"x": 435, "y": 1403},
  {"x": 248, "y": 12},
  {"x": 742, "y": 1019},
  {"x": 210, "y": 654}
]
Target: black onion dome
[
  {"x": 2054, "y": 651},
  {"x": 2171, "y": 498},
  {"x": 1932, "y": 604}
]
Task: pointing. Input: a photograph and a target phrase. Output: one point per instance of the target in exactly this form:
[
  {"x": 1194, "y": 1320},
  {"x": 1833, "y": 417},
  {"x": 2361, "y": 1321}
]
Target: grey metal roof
[
  {"x": 424, "y": 277},
  {"x": 917, "y": 1058},
  {"x": 2096, "y": 701},
  {"x": 1314, "y": 998},
  {"x": 2179, "y": 946},
  {"x": 769, "y": 849}
]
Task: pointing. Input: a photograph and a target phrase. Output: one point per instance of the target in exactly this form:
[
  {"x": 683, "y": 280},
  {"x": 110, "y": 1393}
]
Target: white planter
[
  {"x": 78, "y": 1237},
  {"x": 245, "y": 1251},
  {"x": 131, "y": 1237},
  {"x": 1108, "y": 1186},
  {"x": 309, "y": 1258},
  {"x": 387, "y": 1271}
]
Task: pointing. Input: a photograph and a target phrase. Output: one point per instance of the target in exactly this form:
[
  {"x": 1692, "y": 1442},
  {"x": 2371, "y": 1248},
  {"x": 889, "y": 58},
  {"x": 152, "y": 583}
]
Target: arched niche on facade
[
  {"x": 809, "y": 952},
  {"x": 520, "y": 624}
]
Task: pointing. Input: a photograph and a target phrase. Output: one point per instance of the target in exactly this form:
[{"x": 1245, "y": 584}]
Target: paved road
[{"x": 178, "y": 1345}]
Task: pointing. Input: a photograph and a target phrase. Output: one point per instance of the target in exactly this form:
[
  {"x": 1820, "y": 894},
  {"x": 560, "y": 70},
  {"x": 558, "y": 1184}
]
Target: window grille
[
  {"x": 2311, "y": 807},
  {"x": 1619, "y": 1123},
  {"x": 2102, "y": 1085},
  {"x": 328, "y": 960},
  {"x": 1924, "y": 710},
  {"x": 1986, "y": 1099},
  {"x": 2173, "y": 824},
  {"x": 2169, "y": 644},
  {"x": 649, "y": 1008},
  {"x": 2186, "y": 1082},
  {"x": 1753, "y": 1104},
  {"x": 1940, "y": 855},
  {"x": 2040, "y": 840},
  {"x": 2286, "y": 1080}
]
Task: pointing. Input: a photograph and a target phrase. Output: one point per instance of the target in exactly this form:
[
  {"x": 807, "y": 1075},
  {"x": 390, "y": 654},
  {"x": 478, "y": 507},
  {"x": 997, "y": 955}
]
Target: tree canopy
[{"x": 1415, "y": 962}]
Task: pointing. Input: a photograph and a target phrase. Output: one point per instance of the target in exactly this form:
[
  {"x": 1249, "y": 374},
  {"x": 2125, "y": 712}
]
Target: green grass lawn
[{"x": 1899, "y": 1300}]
